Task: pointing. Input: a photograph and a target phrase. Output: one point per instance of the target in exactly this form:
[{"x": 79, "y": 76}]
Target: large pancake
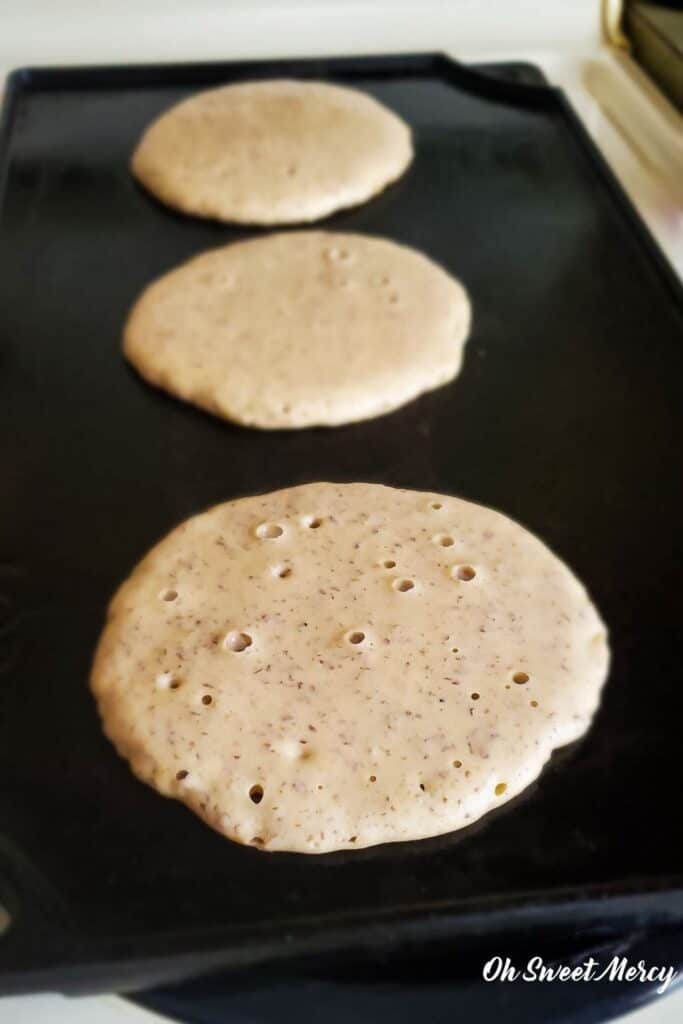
[{"x": 339, "y": 665}]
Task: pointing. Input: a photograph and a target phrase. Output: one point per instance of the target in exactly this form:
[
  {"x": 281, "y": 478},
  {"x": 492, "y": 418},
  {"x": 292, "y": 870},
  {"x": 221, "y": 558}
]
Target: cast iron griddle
[{"x": 567, "y": 416}]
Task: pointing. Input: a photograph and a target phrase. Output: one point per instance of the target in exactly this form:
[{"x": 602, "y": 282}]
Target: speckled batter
[
  {"x": 273, "y": 152},
  {"x": 307, "y": 328},
  {"x": 339, "y": 665}
]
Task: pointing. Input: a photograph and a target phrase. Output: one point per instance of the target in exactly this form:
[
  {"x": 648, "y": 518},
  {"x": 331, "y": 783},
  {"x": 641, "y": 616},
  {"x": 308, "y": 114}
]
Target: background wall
[{"x": 96, "y": 31}]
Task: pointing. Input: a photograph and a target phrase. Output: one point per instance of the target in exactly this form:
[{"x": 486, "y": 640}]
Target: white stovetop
[
  {"x": 637, "y": 131},
  {"x": 112, "y": 1010}
]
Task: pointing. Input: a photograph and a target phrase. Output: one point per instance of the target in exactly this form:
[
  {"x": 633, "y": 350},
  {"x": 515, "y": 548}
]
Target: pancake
[
  {"x": 272, "y": 152},
  {"x": 300, "y": 329},
  {"x": 339, "y": 665}
]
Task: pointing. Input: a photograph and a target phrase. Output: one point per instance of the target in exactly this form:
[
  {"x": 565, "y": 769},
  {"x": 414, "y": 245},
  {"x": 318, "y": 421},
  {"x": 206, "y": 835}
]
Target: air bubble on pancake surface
[
  {"x": 281, "y": 571},
  {"x": 269, "y": 531},
  {"x": 238, "y": 642},
  {"x": 312, "y": 522}
]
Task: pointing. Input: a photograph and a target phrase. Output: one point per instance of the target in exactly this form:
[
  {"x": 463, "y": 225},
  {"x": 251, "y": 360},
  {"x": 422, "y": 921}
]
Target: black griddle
[{"x": 567, "y": 416}]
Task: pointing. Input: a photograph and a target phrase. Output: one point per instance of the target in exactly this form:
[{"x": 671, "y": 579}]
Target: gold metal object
[{"x": 612, "y": 14}]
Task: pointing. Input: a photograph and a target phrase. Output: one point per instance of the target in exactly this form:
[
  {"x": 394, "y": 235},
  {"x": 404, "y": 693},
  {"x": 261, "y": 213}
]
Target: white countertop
[
  {"x": 637, "y": 131},
  {"x": 53, "y": 1009}
]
